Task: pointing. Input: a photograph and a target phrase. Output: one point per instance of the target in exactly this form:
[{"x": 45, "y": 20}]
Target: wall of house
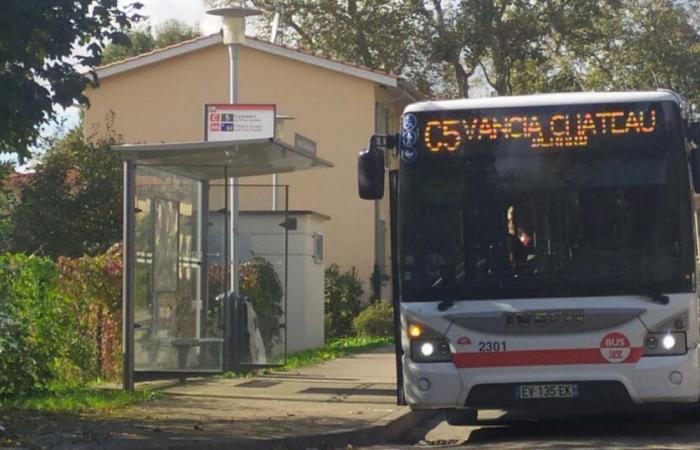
[
  {"x": 163, "y": 102},
  {"x": 336, "y": 111}
]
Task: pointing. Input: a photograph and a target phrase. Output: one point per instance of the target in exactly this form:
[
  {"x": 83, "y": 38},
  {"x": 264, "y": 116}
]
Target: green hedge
[
  {"x": 36, "y": 334},
  {"x": 59, "y": 321},
  {"x": 342, "y": 301},
  {"x": 377, "y": 319}
]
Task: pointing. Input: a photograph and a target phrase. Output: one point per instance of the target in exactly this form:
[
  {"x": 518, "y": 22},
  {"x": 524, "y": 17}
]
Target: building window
[{"x": 318, "y": 248}]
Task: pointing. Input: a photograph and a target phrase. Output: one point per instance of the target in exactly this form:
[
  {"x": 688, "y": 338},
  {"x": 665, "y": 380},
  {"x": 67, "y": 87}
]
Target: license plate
[{"x": 539, "y": 391}]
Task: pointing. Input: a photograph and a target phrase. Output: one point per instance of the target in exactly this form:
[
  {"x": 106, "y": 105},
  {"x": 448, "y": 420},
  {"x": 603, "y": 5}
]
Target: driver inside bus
[{"x": 519, "y": 241}]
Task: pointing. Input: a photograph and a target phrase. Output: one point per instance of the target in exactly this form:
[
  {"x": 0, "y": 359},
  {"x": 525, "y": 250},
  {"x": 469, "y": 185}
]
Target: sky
[{"x": 191, "y": 12}]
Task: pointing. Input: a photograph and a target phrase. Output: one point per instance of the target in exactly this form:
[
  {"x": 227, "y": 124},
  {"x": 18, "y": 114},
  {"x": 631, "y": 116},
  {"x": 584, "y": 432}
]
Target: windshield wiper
[
  {"x": 445, "y": 305},
  {"x": 656, "y": 296}
]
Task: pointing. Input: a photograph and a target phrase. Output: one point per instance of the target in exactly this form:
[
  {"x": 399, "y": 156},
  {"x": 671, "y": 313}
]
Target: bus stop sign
[{"x": 225, "y": 122}]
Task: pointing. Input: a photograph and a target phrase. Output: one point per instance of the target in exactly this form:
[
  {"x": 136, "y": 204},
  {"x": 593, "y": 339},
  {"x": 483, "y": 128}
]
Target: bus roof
[{"x": 575, "y": 98}]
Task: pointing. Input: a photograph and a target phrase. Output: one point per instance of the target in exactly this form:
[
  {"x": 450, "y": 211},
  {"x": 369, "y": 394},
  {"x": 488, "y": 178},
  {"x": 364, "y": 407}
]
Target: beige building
[{"x": 160, "y": 97}]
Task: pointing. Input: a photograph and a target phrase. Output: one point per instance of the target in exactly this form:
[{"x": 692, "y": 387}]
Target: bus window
[{"x": 512, "y": 220}]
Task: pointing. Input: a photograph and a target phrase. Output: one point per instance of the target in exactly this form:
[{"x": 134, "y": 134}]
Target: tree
[
  {"x": 40, "y": 67},
  {"x": 173, "y": 32},
  {"x": 137, "y": 42},
  {"x": 440, "y": 45},
  {"x": 445, "y": 47},
  {"x": 371, "y": 33},
  {"x": 144, "y": 40},
  {"x": 651, "y": 44},
  {"x": 72, "y": 205},
  {"x": 509, "y": 42}
]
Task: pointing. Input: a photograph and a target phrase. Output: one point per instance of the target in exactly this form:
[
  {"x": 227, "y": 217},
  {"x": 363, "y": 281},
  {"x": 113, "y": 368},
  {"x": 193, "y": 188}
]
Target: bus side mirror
[
  {"x": 695, "y": 168},
  {"x": 370, "y": 173}
]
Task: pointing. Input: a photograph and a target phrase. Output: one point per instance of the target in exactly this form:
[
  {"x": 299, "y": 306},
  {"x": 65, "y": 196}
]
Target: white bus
[{"x": 544, "y": 251}]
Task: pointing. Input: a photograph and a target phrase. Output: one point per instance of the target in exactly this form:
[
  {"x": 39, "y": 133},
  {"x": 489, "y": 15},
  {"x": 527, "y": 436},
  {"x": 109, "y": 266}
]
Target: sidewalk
[{"x": 347, "y": 400}]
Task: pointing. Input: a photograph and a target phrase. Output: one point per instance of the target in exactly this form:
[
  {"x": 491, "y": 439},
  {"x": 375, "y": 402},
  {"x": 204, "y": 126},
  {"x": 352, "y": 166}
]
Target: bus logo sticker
[
  {"x": 409, "y": 122},
  {"x": 464, "y": 341},
  {"x": 615, "y": 347},
  {"x": 409, "y": 154}
]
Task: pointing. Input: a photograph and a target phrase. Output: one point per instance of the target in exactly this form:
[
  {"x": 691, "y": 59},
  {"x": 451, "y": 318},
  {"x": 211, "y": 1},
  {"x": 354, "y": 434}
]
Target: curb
[{"x": 401, "y": 423}]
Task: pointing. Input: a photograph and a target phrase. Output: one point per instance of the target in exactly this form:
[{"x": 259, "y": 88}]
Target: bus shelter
[{"x": 198, "y": 298}]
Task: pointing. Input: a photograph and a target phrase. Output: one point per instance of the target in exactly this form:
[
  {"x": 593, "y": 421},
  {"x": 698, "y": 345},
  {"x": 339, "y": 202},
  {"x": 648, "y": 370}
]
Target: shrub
[
  {"x": 72, "y": 205},
  {"x": 375, "y": 320},
  {"x": 59, "y": 323},
  {"x": 94, "y": 286},
  {"x": 259, "y": 282},
  {"x": 36, "y": 334},
  {"x": 342, "y": 302}
]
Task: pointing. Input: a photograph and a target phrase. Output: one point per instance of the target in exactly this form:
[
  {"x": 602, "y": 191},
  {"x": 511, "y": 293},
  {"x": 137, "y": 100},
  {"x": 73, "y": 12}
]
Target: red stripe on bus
[{"x": 538, "y": 357}]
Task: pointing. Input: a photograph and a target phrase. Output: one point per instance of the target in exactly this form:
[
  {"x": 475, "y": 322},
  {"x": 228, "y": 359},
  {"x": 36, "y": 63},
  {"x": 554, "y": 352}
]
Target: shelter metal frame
[{"x": 201, "y": 162}]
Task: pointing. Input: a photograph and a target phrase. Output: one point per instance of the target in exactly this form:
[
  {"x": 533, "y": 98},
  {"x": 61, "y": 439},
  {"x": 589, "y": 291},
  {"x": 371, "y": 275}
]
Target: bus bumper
[{"x": 650, "y": 380}]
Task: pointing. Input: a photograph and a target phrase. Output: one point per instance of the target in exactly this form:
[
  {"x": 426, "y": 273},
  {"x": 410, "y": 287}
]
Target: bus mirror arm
[
  {"x": 695, "y": 168},
  {"x": 387, "y": 141},
  {"x": 694, "y": 157}
]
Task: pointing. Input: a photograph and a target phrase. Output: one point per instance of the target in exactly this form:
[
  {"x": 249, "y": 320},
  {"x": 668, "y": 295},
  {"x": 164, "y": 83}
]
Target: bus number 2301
[{"x": 492, "y": 346}]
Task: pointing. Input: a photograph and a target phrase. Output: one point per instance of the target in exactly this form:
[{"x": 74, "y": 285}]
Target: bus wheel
[{"x": 462, "y": 416}]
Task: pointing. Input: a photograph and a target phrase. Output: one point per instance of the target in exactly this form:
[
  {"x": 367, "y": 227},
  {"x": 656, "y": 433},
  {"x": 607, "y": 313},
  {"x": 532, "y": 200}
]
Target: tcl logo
[{"x": 464, "y": 341}]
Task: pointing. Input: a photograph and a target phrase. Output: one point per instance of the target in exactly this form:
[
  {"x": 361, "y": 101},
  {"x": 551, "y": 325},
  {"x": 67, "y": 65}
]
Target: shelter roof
[{"x": 215, "y": 160}]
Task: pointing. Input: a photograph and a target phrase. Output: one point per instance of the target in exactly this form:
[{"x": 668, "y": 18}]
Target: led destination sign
[{"x": 556, "y": 130}]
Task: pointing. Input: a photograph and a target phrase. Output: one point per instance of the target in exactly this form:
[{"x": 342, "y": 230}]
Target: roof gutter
[{"x": 407, "y": 92}]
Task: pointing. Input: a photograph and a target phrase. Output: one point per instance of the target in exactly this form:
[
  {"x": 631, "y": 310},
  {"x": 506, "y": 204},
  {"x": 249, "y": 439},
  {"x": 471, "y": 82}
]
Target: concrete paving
[
  {"x": 348, "y": 400},
  {"x": 563, "y": 430}
]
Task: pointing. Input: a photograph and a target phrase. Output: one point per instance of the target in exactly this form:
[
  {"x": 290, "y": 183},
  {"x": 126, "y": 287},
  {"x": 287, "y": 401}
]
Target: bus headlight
[
  {"x": 668, "y": 342},
  {"x": 427, "y": 349},
  {"x": 665, "y": 343},
  {"x": 433, "y": 350},
  {"x": 427, "y": 345}
]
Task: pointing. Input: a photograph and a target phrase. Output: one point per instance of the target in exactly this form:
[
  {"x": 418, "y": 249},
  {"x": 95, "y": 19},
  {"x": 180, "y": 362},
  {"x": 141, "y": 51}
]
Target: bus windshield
[{"x": 584, "y": 200}]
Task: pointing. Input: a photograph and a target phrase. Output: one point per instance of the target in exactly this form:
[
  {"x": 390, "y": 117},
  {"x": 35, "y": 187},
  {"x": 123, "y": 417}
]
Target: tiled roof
[
  {"x": 16, "y": 179},
  {"x": 253, "y": 42}
]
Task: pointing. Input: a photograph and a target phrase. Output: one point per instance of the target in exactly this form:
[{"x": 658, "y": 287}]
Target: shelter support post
[
  {"x": 129, "y": 266},
  {"x": 233, "y": 195},
  {"x": 203, "y": 257}
]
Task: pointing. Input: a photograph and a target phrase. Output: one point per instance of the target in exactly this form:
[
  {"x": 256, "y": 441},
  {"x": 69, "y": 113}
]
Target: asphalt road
[{"x": 496, "y": 429}]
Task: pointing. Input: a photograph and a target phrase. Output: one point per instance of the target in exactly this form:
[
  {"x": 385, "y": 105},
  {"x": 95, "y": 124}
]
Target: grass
[
  {"x": 334, "y": 349},
  {"x": 75, "y": 400}
]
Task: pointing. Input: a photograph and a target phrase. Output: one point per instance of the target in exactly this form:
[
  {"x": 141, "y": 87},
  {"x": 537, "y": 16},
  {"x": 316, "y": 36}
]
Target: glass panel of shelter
[
  {"x": 186, "y": 320},
  {"x": 173, "y": 324},
  {"x": 257, "y": 316}
]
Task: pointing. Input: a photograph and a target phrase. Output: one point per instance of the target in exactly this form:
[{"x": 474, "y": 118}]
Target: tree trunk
[
  {"x": 98, "y": 339},
  {"x": 462, "y": 78}
]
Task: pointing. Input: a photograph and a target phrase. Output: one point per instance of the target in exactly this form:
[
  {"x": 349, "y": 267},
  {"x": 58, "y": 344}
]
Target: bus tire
[{"x": 461, "y": 416}]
